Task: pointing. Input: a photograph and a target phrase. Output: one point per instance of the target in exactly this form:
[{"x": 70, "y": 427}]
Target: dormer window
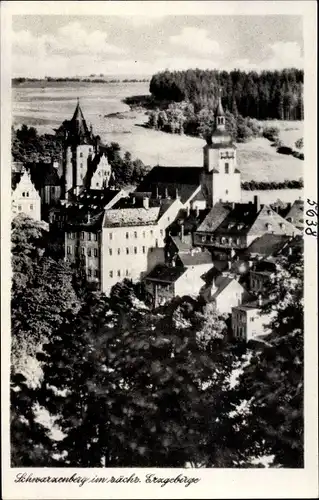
[
  {"x": 282, "y": 226},
  {"x": 240, "y": 226},
  {"x": 289, "y": 219},
  {"x": 203, "y": 239},
  {"x": 268, "y": 226}
]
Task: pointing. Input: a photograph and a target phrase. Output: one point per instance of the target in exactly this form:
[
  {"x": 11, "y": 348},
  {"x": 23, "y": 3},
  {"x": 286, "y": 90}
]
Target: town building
[
  {"x": 296, "y": 214},
  {"x": 165, "y": 282},
  {"x": 25, "y": 197},
  {"x": 250, "y": 322},
  {"x": 224, "y": 292}
]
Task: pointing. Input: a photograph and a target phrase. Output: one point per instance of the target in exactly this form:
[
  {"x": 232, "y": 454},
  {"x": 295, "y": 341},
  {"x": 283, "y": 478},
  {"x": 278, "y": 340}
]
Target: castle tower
[
  {"x": 78, "y": 150},
  {"x": 220, "y": 178}
]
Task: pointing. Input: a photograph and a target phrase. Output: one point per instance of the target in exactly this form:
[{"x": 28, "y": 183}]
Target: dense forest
[{"x": 265, "y": 95}]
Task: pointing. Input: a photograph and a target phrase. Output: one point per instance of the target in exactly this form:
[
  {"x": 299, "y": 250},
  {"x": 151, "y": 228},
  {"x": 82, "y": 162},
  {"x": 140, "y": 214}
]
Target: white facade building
[{"x": 26, "y": 199}]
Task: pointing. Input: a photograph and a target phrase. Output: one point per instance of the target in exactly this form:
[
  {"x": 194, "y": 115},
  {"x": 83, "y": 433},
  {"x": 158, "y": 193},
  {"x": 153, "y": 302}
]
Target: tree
[
  {"x": 127, "y": 385},
  {"x": 272, "y": 383},
  {"x": 299, "y": 143}
]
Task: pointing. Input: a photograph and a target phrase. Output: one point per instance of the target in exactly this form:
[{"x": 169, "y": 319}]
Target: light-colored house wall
[
  {"x": 248, "y": 324},
  {"x": 26, "y": 199},
  {"x": 230, "y": 297}
]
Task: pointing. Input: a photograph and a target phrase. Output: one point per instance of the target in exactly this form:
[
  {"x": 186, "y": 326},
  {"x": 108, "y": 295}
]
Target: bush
[{"x": 271, "y": 133}]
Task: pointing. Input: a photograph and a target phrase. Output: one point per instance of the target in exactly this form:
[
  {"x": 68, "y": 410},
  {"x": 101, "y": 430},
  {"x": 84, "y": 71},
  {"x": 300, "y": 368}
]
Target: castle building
[
  {"x": 25, "y": 197},
  {"x": 83, "y": 165}
]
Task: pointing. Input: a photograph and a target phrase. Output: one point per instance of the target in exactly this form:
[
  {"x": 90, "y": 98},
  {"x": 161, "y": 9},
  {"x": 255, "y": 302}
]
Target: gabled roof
[
  {"x": 131, "y": 217},
  {"x": 239, "y": 220},
  {"x": 183, "y": 245},
  {"x": 296, "y": 214},
  {"x": 170, "y": 181},
  {"x": 165, "y": 274},
  {"x": 267, "y": 244},
  {"x": 76, "y": 129},
  {"x": 278, "y": 224},
  {"x": 97, "y": 197},
  {"x": 222, "y": 283},
  {"x": 215, "y": 217},
  {"x": 196, "y": 258}
]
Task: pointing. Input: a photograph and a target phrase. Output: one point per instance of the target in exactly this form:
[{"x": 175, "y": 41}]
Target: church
[{"x": 217, "y": 180}]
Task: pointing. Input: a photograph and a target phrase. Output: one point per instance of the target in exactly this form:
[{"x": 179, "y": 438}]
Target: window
[
  {"x": 96, "y": 273},
  {"x": 144, "y": 249},
  {"x": 27, "y": 194},
  {"x": 111, "y": 274},
  {"x": 161, "y": 232},
  {"x": 203, "y": 239},
  {"x": 23, "y": 194},
  {"x": 89, "y": 252},
  {"x": 97, "y": 184},
  {"x": 151, "y": 232},
  {"x": 211, "y": 239},
  {"x": 100, "y": 173},
  {"x": 82, "y": 250},
  {"x": 89, "y": 236},
  {"x": 68, "y": 250},
  {"x": 226, "y": 192},
  {"x": 111, "y": 236},
  {"x": 95, "y": 252},
  {"x": 127, "y": 236},
  {"x": 119, "y": 273},
  {"x": 110, "y": 251},
  {"x": 126, "y": 272},
  {"x": 156, "y": 242},
  {"x": 127, "y": 251},
  {"x": 82, "y": 235},
  {"x": 19, "y": 208},
  {"x": 252, "y": 319},
  {"x": 135, "y": 234},
  {"x": 143, "y": 234},
  {"x": 81, "y": 155},
  {"x": 223, "y": 239},
  {"x": 135, "y": 249},
  {"x": 89, "y": 272},
  {"x": 118, "y": 251},
  {"x": 238, "y": 241},
  {"x": 226, "y": 168},
  {"x": 81, "y": 165}
]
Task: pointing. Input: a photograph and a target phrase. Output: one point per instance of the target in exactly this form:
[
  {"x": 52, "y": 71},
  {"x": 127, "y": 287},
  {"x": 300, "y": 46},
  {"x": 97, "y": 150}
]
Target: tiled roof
[
  {"x": 196, "y": 258},
  {"x": 238, "y": 220},
  {"x": 267, "y": 244},
  {"x": 15, "y": 179},
  {"x": 215, "y": 217},
  {"x": 165, "y": 274},
  {"x": 184, "y": 245},
  {"x": 278, "y": 224},
  {"x": 221, "y": 283},
  {"x": 83, "y": 219},
  {"x": 170, "y": 181},
  {"x": 131, "y": 217},
  {"x": 97, "y": 197},
  {"x": 296, "y": 214}
]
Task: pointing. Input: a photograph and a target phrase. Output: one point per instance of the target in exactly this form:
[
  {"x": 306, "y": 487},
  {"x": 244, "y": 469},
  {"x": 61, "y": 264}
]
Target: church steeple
[
  {"x": 77, "y": 127},
  {"x": 219, "y": 113}
]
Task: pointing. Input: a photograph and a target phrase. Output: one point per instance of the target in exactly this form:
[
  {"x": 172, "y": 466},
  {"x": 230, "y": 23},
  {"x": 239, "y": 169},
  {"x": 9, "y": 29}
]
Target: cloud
[
  {"x": 70, "y": 39},
  {"x": 141, "y": 21},
  {"x": 284, "y": 55},
  {"x": 196, "y": 40}
]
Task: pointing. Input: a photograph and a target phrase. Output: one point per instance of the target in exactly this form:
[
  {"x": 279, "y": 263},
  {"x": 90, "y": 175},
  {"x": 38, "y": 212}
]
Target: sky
[{"x": 66, "y": 46}]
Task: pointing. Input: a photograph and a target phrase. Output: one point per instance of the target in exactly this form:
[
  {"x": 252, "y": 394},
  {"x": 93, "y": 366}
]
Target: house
[
  {"x": 265, "y": 246},
  {"x": 25, "y": 197},
  {"x": 260, "y": 275},
  {"x": 165, "y": 282},
  {"x": 295, "y": 215},
  {"x": 224, "y": 292},
  {"x": 249, "y": 321},
  {"x": 133, "y": 238},
  {"x": 227, "y": 230}
]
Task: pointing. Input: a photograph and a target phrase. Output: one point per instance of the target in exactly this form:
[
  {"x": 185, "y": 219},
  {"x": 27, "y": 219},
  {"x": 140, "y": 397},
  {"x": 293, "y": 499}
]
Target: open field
[{"x": 45, "y": 106}]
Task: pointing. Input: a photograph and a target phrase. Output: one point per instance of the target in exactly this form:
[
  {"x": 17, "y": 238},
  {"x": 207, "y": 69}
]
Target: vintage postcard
[{"x": 158, "y": 249}]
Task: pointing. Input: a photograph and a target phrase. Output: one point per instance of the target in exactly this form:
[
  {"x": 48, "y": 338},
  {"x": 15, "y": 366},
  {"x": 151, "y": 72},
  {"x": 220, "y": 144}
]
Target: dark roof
[
  {"x": 190, "y": 221},
  {"x": 165, "y": 273},
  {"x": 76, "y": 129},
  {"x": 83, "y": 219},
  {"x": 44, "y": 174},
  {"x": 268, "y": 244},
  {"x": 239, "y": 220},
  {"x": 97, "y": 197},
  {"x": 211, "y": 274},
  {"x": 219, "y": 109},
  {"x": 221, "y": 283},
  {"x": 196, "y": 258},
  {"x": 183, "y": 245},
  {"x": 215, "y": 217},
  {"x": 15, "y": 179},
  {"x": 164, "y": 181}
]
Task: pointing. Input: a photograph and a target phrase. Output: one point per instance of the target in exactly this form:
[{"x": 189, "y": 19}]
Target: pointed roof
[
  {"x": 77, "y": 128},
  {"x": 219, "y": 109}
]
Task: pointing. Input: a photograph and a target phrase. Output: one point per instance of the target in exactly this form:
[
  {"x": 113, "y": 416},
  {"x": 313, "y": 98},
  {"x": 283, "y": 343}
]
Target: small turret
[{"x": 219, "y": 113}]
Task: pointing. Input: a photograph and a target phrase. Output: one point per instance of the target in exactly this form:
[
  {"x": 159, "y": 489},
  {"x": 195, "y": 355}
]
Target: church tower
[
  {"x": 78, "y": 150},
  {"x": 220, "y": 178}
]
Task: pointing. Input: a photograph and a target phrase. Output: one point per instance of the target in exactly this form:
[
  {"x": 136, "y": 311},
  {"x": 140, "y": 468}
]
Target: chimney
[
  {"x": 133, "y": 200},
  {"x": 233, "y": 205},
  {"x": 197, "y": 210},
  {"x": 257, "y": 203},
  {"x": 146, "y": 202},
  {"x": 166, "y": 192},
  {"x": 289, "y": 250},
  {"x": 188, "y": 209},
  {"x": 182, "y": 233},
  {"x": 157, "y": 194},
  {"x": 89, "y": 218},
  {"x": 229, "y": 265},
  {"x": 260, "y": 300},
  {"x": 177, "y": 194}
]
